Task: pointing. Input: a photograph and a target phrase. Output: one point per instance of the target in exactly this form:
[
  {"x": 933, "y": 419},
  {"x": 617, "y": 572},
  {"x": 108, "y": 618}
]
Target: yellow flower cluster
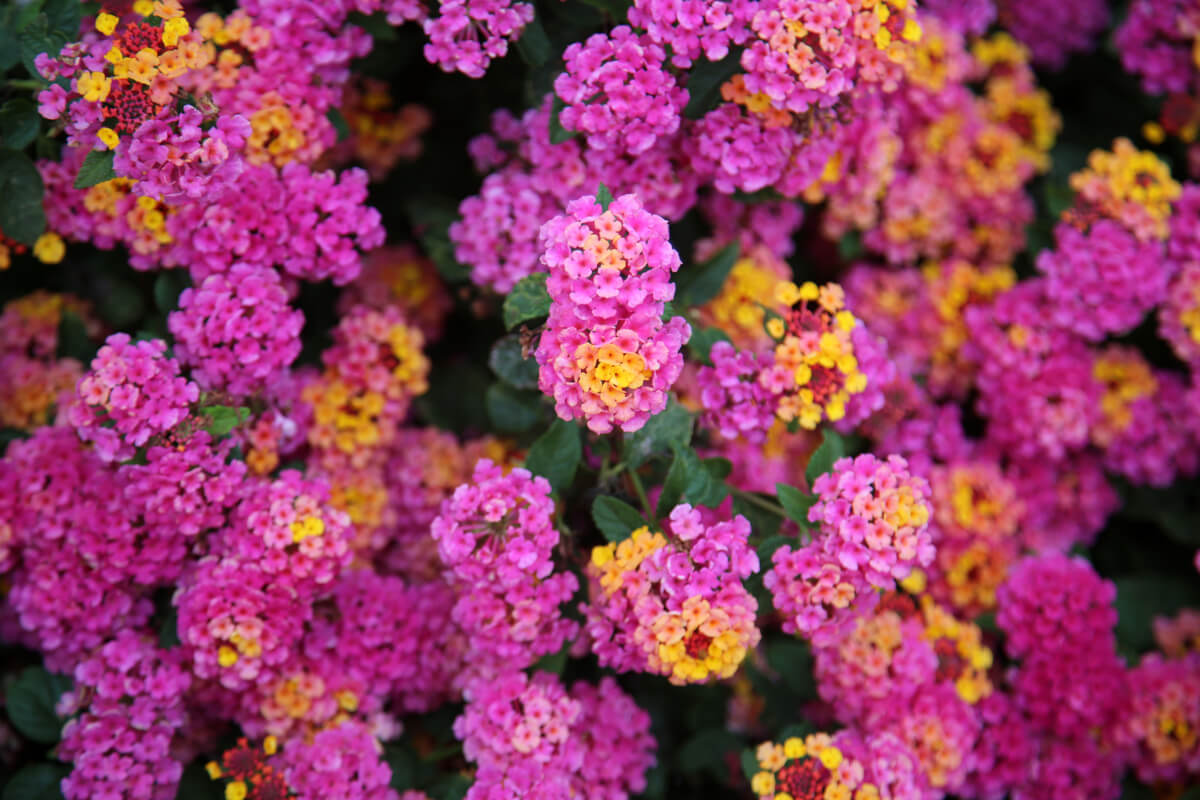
[
  {"x": 809, "y": 768},
  {"x": 736, "y": 309},
  {"x": 612, "y": 561},
  {"x": 1126, "y": 378},
  {"x": 699, "y": 642},
  {"x": 815, "y": 352},
  {"x": 972, "y": 682},
  {"x": 609, "y": 373},
  {"x": 344, "y": 418},
  {"x": 1131, "y": 186}
]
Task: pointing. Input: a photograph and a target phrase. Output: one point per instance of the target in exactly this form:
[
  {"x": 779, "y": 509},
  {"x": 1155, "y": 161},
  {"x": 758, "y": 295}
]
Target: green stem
[
  {"x": 25, "y": 83},
  {"x": 641, "y": 493},
  {"x": 766, "y": 505}
]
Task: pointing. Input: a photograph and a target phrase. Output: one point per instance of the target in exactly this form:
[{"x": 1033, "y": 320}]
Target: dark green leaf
[
  {"x": 705, "y": 752},
  {"x": 168, "y": 632},
  {"x": 169, "y": 284},
  {"x": 97, "y": 168},
  {"x": 31, "y": 703},
  {"x": 528, "y": 300},
  {"x": 704, "y": 82},
  {"x": 850, "y": 246},
  {"x": 832, "y": 448},
  {"x": 1142, "y": 598},
  {"x": 795, "y": 503},
  {"x": 534, "y": 45},
  {"x": 763, "y": 522},
  {"x": 37, "y": 782},
  {"x": 674, "y": 485},
  {"x": 456, "y": 399},
  {"x": 19, "y": 123},
  {"x": 699, "y": 285},
  {"x": 615, "y": 519},
  {"x": 508, "y": 361},
  {"x": 702, "y": 341},
  {"x": 196, "y": 785},
  {"x": 559, "y": 134},
  {"x": 554, "y": 663},
  {"x": 375, "y": 24},
  {"x": 665, "y": 432},
  {"x": 431, "y": 222},
  {"x": 223, "y": 419},
  {"x": 64, "y": 17},
  {"x": 604, "y": 197},
  {"x": 21, "y": 214},
  {"x": 512, "y": 410},
  {"x": 750, "y": 766},
  {"x": 704, "y": 488},
  {"x": 338, "y": 121},
  {"x": 768, "y": 548},
  {"x": 39, "y": 37},
  {"x": 718, "y": 467},
  {"x": 792, "y": 659},
  {"x": 403, "y": 763},
  {"x": 614, "y": 8},
  {"x": 556, "y": 453},
  {"x": 73, "y": 341},
  {"x": 120, "y": 302}
]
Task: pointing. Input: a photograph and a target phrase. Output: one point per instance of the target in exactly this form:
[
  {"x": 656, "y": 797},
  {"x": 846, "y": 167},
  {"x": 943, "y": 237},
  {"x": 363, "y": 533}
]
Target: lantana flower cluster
[{"x": 331, "y": 470}]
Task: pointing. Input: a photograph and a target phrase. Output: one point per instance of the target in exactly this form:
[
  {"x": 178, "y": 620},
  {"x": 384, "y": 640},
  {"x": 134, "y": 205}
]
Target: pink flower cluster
[
  {"x": 467, "y": 34},
  {"x": 734, "y": 401},
  {"x": 605, "y": 355},
  {"x": 531, "y": 738},
  {"x": 236, "y": 330},
  {"x": 674, "y": 607},
  {"x": 1053, "y": 31},
  {"x": 618, "y": 93},
  {"x": 496, "y": 535},
  {"x": 132, "y": 697},
  {"x": 132, "y": 393},
  {"x": 342, "y": 761},
  {"x": 173, "y": 156},
  {"x": 873, "y": 529}
]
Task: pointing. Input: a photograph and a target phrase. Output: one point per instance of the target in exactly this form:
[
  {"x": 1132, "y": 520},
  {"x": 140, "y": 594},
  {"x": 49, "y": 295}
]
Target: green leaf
[
  {"x": 338, "y": 121},
  {"x": 508, "y": 361},
  {"x": 403, "y": 764},
  {"x": 223, "y": 419},
  {"x": 720, "y": 468},
  {"x": 615, "y": 519},
  {"x": 750, "y": 766},
  {"x": 763, "y": 523},
  {"x": 705, "y": 752},
  {"x": 19, "y": 123},
  {"x": 37, "y": 782},
  {"x": 196, "y": 785},
  {"x": 451, "y": 787},
  {"x": 666, "y": 431},
  {"x": 120, "y": 302},
  {"x": 73, "y": 341},
  {"x": 795, "y": 503},
  {"x": 512, "y": 410},
  {"x": 168, "y": 632},
  {"x": 527, "y": 300},
  {"x": 431, "y": 222},
  {"x": 554, "y": 663},
  {"x": 97, "y": 168},
  {"x": 701, "y": 284},
  {"x": 21, "y": 214},
  {"x": 534, "y": 45},
  {"x": 604, "y": 197},
  {"x": 556, "y": 454},
  {"x": 767, "y": 549},
  {"x": 702, "y": 341},
  {"x": 1142, "y": 598},
  {"x": 40, "y": 37},
  {"x": 793, "y": 660},
  {"x": 674, "y": 485},
  {"x": 850, "y": 246},
  {"x": 375, "y": 24},
  {"x": 169, "y": 284},
  {"x": 704, "y": 82},
  {"x": 31, "y": 703},
  {"x": 832, "y": 448},
  {"x": 617, "y": 9},
  {"x": 64, "y": 16},
  {"x": 456, "y": 399},
  {"x": 559, "y": 134}
]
